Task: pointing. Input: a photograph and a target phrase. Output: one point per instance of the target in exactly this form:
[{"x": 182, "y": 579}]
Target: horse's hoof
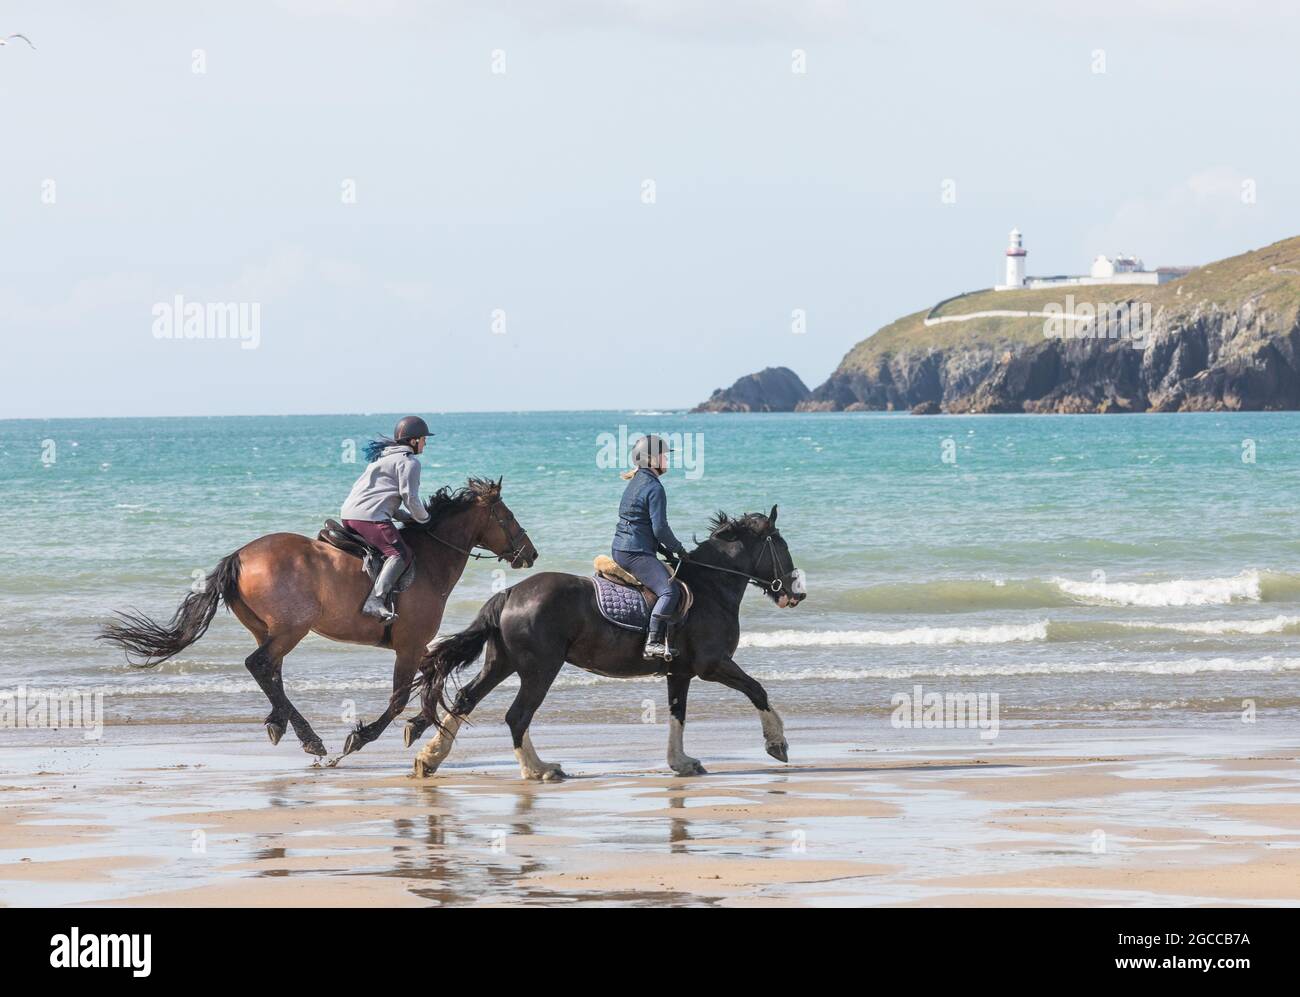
[
  {"x": 779, "y": 751},
  {"x": 411, "y": 732},
  {"x": 275, "y": 732},
  {"x": 352, "y": 743},
  {"x": 692, "y": 767},
  {"x": 315, "y": 747},
  {"x": 422, "y": 771},
  {"x": 552, "y": 774}
]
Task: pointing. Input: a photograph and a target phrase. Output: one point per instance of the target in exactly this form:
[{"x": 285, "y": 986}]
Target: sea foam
[
  {"x": 1244, "y": 587},
  {"x": 924, "y": 636}
]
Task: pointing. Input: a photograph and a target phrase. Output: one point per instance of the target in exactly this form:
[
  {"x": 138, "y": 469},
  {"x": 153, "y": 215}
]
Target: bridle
[
  {"x": 516, "y": 537},
  {"x": 773, "y": 585}
]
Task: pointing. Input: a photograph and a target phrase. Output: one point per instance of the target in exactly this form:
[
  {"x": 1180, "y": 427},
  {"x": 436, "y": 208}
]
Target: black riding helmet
[
  {"x": 646, "y": 451},
  {"x": 411, "y": 428}
]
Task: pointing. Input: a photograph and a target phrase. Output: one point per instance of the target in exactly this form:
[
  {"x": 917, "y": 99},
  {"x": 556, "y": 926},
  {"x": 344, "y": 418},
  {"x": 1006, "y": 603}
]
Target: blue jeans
[{"x": 651, "y": 573}]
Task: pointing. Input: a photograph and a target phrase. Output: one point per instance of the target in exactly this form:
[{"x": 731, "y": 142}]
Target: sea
[{"x": 1084, "y": 570}]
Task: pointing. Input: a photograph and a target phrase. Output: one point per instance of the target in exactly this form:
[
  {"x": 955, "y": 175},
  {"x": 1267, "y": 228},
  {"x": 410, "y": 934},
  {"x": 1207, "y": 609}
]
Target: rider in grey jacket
[{"x": 390, "y": 480}]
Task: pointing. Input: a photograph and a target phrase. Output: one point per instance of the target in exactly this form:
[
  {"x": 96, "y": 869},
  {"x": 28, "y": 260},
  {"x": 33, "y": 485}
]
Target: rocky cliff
[
  {"x": 1224, "y": 337},
  {"x": 773, "y": 389}
]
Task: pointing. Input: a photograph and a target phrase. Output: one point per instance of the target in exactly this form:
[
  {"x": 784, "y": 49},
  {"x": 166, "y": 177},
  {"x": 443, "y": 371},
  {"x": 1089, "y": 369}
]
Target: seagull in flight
[{"x": 6, "y": 41}]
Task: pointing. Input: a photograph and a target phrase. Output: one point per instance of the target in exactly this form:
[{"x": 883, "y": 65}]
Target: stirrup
[
  {"x": 374, "y": 606},
  {"x": 657, "y": 651}
]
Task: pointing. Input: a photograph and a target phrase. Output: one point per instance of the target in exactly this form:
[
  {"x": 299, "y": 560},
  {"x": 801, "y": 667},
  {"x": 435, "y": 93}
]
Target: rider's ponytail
[
  {"x": 376, "y": 447},
  {"x": 629, "y": 474}
]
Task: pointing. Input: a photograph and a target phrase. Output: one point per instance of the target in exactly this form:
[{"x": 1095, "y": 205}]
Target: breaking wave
[
  {"x": 974, "y": 594},
  {"x": 1055, "y": 631}
]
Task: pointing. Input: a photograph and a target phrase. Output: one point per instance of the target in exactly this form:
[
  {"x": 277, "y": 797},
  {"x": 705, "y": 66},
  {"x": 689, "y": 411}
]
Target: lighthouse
[{"x": 1015, "y": 260}]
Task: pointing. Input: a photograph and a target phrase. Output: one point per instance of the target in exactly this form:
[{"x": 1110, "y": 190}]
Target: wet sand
[{"x": 214, "y": 816}]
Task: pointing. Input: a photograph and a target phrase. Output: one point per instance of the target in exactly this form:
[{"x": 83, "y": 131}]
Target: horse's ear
[{"x": 771, "y": 517}]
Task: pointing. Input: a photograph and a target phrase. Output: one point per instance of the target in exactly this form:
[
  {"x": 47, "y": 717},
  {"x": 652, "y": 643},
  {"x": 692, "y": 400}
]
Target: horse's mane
[
  {"x": 753, "y": 523},
  {"x": 447, "y": 501}
]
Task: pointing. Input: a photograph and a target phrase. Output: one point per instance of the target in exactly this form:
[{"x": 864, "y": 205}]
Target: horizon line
[{"x": 665, "y": 410}]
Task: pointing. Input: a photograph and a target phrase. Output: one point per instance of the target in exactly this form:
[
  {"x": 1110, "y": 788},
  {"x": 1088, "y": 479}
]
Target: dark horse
[
  {"x": 283, "y": 585},
  {"x": 536, "y": 626}
]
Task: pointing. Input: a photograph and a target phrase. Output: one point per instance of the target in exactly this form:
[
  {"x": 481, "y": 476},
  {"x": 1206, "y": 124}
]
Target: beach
[
  {"x": 1058, "y": 817},
  {"x": 1105, "y": 609}
]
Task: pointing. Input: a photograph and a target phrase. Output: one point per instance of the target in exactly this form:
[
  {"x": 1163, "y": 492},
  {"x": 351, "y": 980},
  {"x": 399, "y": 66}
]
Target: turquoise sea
[{"x": 1107, "y": 570}]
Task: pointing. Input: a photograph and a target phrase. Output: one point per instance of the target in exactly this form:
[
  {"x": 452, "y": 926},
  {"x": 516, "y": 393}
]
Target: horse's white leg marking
[
  {"x": 438, "y": 747},
  {"x": 773, "y": 728},
  {"x": 678, "y": 760},
  {"x": 532, "y": 767}
]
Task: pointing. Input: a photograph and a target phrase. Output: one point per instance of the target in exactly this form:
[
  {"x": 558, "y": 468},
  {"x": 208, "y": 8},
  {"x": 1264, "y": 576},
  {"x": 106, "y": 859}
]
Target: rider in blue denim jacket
[{"x": 643, "y": 530}]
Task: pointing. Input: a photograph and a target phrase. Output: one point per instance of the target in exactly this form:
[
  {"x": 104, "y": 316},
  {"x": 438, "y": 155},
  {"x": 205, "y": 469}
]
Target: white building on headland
[{"x": 1120, "y": 270}]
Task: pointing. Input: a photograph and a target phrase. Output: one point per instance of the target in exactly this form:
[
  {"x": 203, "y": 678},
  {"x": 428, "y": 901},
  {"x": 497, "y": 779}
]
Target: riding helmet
[
  {"x": 411, "y": 428},
  {"x": 646, "y": 451}
]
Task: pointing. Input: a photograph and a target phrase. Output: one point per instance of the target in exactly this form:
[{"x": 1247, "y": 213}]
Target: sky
[{"x": 488, "y": 205}]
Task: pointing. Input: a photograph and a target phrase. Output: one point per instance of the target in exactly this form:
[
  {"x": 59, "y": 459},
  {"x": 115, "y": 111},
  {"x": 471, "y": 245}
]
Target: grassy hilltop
[{"x": 1226, "y": 336}]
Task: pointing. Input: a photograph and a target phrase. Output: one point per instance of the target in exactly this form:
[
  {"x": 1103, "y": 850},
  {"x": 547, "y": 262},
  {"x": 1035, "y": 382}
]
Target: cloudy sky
[{"x": 488, "y": 205}]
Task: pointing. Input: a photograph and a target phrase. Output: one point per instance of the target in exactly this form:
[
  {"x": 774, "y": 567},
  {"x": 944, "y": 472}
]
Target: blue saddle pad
[{"x": 622, "y": 605}]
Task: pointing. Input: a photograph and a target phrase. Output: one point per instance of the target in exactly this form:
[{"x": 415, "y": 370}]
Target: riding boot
[
  {"x": 655, "y": 645},
  {"x": 377, "y": 603}
]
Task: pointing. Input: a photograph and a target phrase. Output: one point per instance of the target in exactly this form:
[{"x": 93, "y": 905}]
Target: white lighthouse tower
[{"x": 1015, "y": 261}]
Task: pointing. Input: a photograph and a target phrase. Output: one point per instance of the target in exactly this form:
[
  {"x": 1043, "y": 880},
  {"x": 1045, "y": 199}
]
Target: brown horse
[{"x": 283, "y": 586}]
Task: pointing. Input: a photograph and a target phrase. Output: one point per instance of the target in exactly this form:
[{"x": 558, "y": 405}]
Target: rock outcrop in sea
[{"x": 773, "y": 389}]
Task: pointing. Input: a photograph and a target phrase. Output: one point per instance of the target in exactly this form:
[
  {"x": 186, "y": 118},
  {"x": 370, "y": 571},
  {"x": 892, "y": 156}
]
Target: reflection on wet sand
[{"x": 1016, "y": 822}]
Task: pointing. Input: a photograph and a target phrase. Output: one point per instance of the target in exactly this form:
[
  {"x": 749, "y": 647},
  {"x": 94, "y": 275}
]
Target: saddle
[
  {"x": 625, "y": 602},
  {"x": 372, "y": 558}
]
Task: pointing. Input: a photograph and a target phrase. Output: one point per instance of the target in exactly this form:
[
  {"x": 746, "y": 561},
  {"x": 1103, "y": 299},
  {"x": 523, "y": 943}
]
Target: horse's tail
[
  {"x": 453, "y": 653},
  {"x": 155, "y": 642}
]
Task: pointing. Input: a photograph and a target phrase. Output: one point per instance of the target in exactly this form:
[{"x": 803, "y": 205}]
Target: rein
[
  {"x": 514, "y": 533},
  {"x": 462, "y": 550},
  {"x": 773, "y": 585}
]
